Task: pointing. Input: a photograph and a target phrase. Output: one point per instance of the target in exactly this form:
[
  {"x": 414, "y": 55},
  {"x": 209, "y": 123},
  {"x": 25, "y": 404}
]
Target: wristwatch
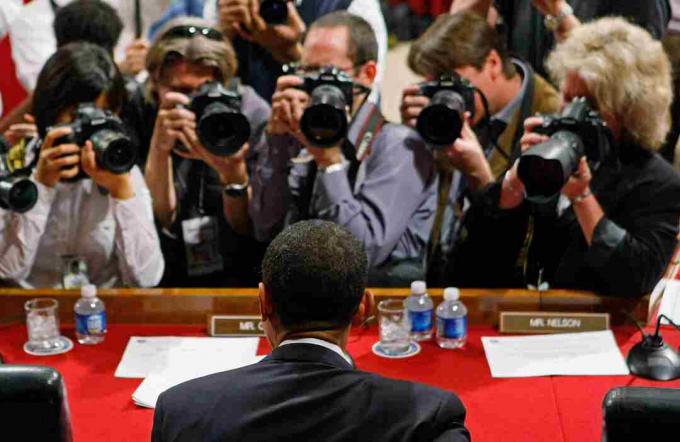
[
  {"x": 552, "y": 23},
  {"x": 236, "y": 190},
  {"x": 336, "y": 167}
]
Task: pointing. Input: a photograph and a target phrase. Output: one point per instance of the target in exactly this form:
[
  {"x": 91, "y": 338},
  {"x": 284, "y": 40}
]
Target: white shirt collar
[{"x": 322, "y": 343}]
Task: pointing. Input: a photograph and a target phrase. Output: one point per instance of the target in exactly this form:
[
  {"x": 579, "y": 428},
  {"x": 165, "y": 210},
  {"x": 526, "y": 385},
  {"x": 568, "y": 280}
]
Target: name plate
[
  {"x": 552, "y": 322},
  {"x": 227, "y": 325}
]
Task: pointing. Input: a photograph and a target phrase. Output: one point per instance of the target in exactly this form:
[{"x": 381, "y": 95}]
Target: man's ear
[
  {"x": 266, "y": 306},
  {"x": 365, "y": 309},
  {"x": 367, "y": 73},
  {"x": 494, "y": 64}
]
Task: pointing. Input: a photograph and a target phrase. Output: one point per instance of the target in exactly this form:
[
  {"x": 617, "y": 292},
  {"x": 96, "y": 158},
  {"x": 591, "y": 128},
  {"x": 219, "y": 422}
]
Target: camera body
[
  {"x": 17, "y": 192},
  {"x": 274, "y": 12},
  {"x": 221, "y": 127},
  {"x": 325, "y": 121},
  {"x": 441, "y": 121},
  {"x": 577, "y": 131},
  {"x": 114, "y": 151}
]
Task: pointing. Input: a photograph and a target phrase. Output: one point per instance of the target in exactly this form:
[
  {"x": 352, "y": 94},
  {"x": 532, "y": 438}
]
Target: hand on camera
[
  {"x": 172, "y": 122},
  {"x": 467, "y": 155},
  {"x": 242, "y": 18},
  {"x": 412, "y": 104},
  {"x": 135, "y": 57},
  {"x": 549, "y": 7},
  {"x": 118, "y": 185},
  {"x": 288, "y": 105},
  {"x": 20, "y": 131},
  {"x": 57, "y": 162}
]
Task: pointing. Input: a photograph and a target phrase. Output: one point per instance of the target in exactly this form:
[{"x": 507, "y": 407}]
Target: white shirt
[
  {"x": 325, "y": 344},
  {"x": 117, "y": 239},
  {"x": 369, "y": 10}
]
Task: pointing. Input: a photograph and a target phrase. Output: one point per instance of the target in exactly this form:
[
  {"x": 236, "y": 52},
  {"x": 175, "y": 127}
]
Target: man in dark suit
[{"x": 307, "y": 389}]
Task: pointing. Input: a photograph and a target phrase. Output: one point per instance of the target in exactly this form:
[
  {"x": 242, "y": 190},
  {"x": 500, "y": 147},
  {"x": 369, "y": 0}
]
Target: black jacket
[
  {"x": 631, "y": 246},
  {"x": 305, "y": 392}
]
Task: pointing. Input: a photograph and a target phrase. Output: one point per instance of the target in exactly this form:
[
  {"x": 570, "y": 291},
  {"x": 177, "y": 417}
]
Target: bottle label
[
  {"x": 420, "y": 321},
  {"x": 452, "y": 328},
  {"x": 91, "y": 324}
]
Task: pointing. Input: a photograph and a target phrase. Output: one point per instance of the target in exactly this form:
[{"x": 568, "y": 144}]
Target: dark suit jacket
[{"x": 305, "y": 392}]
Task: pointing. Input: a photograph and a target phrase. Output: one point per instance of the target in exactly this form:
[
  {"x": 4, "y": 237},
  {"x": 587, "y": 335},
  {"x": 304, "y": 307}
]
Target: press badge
[{"x": 202, "y": 245}]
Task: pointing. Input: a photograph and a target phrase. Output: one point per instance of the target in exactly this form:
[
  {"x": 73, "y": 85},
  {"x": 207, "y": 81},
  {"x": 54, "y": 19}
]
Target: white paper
[
  {"x": 180, "y": 370},
  {"x": 579, "y": 354},
  {"x": 670, "y": 301},
  {"x": 144, "y": 355}
]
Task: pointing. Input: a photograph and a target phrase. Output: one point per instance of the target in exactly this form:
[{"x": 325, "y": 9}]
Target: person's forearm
[
  {"x": 589, "y": 213},
  {"x": 481, "y": 7},
  {"x": 236, "y": 212},
  {"x": 159, "y": 178}
]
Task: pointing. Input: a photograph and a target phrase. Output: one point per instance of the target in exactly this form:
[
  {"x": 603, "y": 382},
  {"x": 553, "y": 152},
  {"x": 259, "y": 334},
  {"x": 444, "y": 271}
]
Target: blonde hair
[
  {"x": 627, "y": 73},
  {"x": 218, "y": 55}
]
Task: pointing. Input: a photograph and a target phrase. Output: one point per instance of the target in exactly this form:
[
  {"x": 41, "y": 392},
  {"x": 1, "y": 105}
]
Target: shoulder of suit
[
  {"x": 547, "y": 99},
  {"x": 394, "y": 136}
]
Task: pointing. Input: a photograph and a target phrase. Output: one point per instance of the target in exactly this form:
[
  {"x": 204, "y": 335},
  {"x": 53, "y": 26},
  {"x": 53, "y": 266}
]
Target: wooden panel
[{"x": 192, "y": 306}]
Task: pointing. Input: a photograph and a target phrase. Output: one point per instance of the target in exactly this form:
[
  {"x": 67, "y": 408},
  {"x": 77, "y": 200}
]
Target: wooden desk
[{"x": 192, "y": 306}]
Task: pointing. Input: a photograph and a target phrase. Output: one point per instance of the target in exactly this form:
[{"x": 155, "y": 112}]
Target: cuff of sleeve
[
  {"x": 281, "y": 149},
  {"x": 331, "y": 189},
  {"x": 606, "y": 239},
  {"x": 46, "y": 197},
  {"x": 126, "y": 210}
]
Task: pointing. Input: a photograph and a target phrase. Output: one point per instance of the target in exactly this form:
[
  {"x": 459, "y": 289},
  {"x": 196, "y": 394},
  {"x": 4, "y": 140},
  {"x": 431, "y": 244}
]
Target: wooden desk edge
[{"x": 193, "y": 306}]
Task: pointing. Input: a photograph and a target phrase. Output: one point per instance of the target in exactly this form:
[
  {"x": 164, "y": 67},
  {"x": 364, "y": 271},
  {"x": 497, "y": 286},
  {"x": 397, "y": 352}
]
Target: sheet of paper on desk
[
  {"x": 144, "y": 355},
  {"x": 180, "y": 370},
  {"x": 670, "y": 301},
  {"x": 579, "y": 354}
]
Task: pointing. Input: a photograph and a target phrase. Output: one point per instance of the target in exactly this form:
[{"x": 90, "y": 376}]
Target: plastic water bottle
[
  {"x": 90, "y": 316},
  {"x": 451, "y": 320},
  {"x": 420, "y": 308}
]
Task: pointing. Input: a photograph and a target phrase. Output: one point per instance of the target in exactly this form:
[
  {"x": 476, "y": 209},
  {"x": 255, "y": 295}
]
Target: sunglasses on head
[{"x": 190, "y": 31}]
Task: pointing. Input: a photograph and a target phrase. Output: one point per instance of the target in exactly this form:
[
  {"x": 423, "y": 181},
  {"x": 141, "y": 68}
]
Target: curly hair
[{"x": 627, "y": 73}]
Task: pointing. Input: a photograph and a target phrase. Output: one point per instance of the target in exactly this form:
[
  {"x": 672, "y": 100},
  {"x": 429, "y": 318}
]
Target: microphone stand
[{"x": 652, "y": 358}]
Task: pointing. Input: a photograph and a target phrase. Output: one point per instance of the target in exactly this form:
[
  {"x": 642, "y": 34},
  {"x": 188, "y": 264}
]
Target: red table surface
[{"x": 523, "y": 409}]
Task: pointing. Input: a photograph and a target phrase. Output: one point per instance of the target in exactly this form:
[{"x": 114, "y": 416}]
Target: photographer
[
  {"x": 189, "y": 180},
  {"x": 504, "y": 91},
  {"x": 376, "y": 180},
  {"x": 262, "y": 47},
  {"x": 612, "y": 226},
  {"x": 87, "y": 217}
]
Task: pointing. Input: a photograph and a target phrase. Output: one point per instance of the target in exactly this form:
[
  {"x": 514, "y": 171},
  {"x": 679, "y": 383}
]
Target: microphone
[{"x": 652, "y": 358}]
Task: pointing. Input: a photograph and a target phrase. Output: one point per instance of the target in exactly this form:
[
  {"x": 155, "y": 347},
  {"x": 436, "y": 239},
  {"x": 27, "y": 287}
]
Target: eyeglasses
[{"x": 189, "y": 31}]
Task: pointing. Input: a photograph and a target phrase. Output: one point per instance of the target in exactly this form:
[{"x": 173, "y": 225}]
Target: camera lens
[
  {"x": 18, "y": 194},
  {"x": 114, "y": 151},
  {"x": 274, "y": 12},
  {"x": 324, "y": 122},
  {"x": 545, "y": 168},
  {"x": 440, "y": 123},
  {"x": 223, "y": 130}
]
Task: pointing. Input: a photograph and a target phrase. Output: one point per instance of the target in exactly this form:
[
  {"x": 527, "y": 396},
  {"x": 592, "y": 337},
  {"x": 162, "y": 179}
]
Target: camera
[
  {"x": 114, "y": 151},
  {"x": 17, "y": 192},
  {"x": 577, "y": 131},
  {"x": 274, "y": 12},
  {"x": 441, "y": 121},
  {"x": 325, "y": 120},
  {"x": 221, "y": 127}
]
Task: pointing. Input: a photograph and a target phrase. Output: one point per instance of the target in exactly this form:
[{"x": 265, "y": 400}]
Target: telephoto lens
[
  {"x": 18, "y": 194},
  {"x": 222, "y": 128},
  {"x": 114, "y": 151},
  {"x": 440, "y": 123},
  {"x": 274, "y": 12},
  {"x": 324, "y": 122}
]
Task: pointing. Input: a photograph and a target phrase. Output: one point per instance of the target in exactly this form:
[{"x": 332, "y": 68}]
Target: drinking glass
[
  {"x": 42, "y": 322},
  {"x": 395, "y": 327}
]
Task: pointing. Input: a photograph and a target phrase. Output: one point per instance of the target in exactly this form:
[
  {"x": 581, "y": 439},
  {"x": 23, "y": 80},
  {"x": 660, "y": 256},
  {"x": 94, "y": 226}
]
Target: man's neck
[
  {"x": 337, "y": 337},
  {"x": 507, "y": 90}
]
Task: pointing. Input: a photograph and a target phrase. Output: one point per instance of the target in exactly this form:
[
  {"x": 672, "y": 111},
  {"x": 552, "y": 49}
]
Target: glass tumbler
[{"x": 395, "y": 327}]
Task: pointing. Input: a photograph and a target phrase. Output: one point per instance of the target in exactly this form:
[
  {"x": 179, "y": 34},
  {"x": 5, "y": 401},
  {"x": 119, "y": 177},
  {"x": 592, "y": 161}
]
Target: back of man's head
[
  {"x": 455, "y": 41},
  {"x": 315, "y": 273},
  {"x": 363, "y": 46},
  {"x": 91, "y": 21}
]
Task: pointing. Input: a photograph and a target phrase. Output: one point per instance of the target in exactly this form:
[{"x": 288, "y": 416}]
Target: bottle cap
[
  {"x": 418, "y": 287},
  {"x": 88, "y": 291},
  {"x": 451, "y": 294}
]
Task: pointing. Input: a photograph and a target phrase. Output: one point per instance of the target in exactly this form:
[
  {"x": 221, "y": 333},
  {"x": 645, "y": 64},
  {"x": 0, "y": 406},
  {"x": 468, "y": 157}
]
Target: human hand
[
  {"x": 325, "y": 157},
  {"x": 57, "y": 162},
  {"x": 549, "y": 7},
  {"x": 20, "y": 131},
  {"x": 412, "y": 104},
  {"x": 171, "y": 122},
  {"x": 467, "y": 155},
  {"x": 579, "y": 183},
  {"x": 135, "y": 57},
  {"x": 118, "y": 185},
  {"x": 288, "y": 105}
]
